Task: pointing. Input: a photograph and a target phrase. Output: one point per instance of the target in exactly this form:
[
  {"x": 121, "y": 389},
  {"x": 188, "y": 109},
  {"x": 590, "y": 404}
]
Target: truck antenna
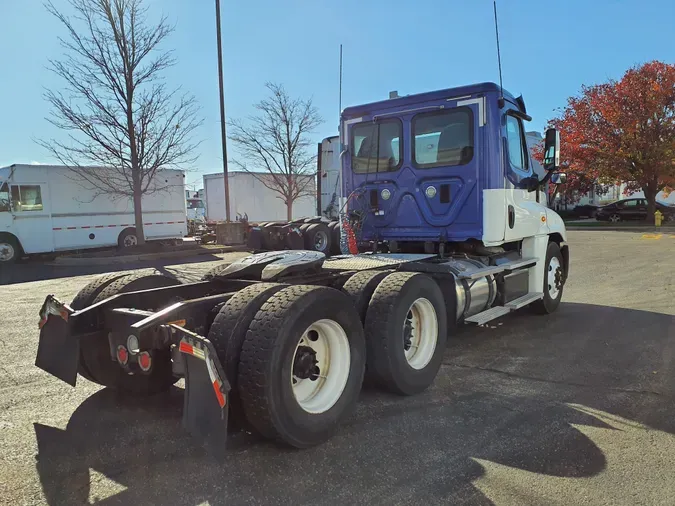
[
  {"x": 340, "y": 97},
  {"x": 499, "y": 58}
]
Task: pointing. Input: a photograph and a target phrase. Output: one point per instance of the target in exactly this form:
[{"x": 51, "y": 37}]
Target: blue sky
[{"x": 548, "y": 50}]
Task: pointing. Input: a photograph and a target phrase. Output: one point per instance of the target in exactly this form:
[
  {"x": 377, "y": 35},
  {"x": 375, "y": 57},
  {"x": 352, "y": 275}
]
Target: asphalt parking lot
[{"x": 574, "y": 408}]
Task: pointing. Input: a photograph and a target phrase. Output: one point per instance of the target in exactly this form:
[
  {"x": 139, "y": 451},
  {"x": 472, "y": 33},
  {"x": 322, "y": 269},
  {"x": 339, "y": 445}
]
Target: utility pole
[{"x": 222, "y": 114}]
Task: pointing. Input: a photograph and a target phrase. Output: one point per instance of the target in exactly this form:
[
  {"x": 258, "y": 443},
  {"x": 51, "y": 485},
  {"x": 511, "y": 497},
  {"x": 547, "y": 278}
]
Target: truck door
[
  {"x": 525, "y": 216},
  {"x": 32, "y": 217}
]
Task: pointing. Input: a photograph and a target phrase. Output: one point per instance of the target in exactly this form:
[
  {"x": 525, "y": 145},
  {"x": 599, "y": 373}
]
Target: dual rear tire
[{"x": 295, "y": 358}]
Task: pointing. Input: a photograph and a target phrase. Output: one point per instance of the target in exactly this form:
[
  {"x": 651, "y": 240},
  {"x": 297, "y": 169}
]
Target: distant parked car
[
  {"x": 585, "y": 211},
  {"x": 632, "y": 209}
]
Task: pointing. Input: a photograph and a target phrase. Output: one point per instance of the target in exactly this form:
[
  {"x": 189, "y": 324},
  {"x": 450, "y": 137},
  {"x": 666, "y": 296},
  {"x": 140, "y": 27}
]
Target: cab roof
[{"x": 429, "y": 96}]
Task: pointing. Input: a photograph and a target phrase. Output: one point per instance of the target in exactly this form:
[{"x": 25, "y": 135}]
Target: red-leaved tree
[
  {"x": 579, "y": 182},
  {"x": 622, "y": 131}
]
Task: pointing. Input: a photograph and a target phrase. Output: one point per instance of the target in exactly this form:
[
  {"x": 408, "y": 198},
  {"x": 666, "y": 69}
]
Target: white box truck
[{"x": 46, "y": 208}]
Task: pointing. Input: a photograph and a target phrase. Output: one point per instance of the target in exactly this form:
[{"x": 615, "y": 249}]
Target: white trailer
[
  {"x": 250, "y": 197},
  {"x": 46, "y": 208}
]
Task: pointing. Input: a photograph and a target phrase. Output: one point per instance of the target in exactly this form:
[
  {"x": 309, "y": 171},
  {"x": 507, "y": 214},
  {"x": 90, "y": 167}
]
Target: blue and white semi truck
[{"x": 438, "y": 187}]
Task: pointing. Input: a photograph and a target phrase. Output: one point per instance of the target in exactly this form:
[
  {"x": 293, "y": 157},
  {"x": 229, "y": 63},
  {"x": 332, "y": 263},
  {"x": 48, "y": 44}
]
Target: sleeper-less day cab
[{"x": 439, "y": 196}]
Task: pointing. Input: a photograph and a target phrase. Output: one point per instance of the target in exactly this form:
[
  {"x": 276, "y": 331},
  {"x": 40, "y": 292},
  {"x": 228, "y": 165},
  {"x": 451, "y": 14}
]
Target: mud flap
[
  {"x": 58, "y": 350},
  {"x": 206, "y": 392}
]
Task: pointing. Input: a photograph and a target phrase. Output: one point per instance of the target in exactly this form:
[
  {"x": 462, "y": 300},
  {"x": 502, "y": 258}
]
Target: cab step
[
  {"x": 488, "y": 315},
  {"x": 524, "y": 300},
  {"x": 497, "y": 311}
]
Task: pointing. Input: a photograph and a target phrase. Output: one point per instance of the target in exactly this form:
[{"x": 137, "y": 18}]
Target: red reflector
[
  {"x": 219, "y": 394},
  {"x": 122, "y": 355},
  {"x": 144, "y": 360},
  {"x": 186, "y": 348}
]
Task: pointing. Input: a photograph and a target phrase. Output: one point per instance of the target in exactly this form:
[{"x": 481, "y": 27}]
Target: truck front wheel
[
  {"x": 302, "y": 365},
  {"x": 554, "y": 278}
]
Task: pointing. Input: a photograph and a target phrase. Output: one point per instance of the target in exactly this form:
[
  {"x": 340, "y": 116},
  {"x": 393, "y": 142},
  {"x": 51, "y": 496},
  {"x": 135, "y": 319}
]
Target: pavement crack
[{"x": 559, "y": 382}]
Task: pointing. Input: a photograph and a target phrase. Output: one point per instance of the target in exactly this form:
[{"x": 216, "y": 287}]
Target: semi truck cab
[
  {"x": 439, "y": 185},
  {"x": 443, "y": 167}
]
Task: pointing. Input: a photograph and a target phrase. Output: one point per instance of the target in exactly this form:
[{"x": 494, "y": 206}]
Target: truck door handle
[{"x": 512, "y": 216}]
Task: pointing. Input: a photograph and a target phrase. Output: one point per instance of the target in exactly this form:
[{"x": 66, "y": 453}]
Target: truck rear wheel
[
  {"x": 229, "y": 328},
  {"x": 302, "y": 365},
  {"x": 406, "y": 332},
  {"x": 96, "y": 350},
  {"x": 554, "y": 278},
  {"x": 127, "y": 238},
  {"x": 85, "y": 298},
  {"x": 360, "y": 288},
  {"x": 318, "y": 238}
]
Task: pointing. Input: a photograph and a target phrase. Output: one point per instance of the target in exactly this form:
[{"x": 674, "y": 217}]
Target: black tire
[
  {"x": 304, "y": 227},
  {"x": 318, "y": 238},
  {"x": 96, "y": 351},
  {"x": 360, "y": 288},
  {"x": 265, "y": 367},
  {"x": 547, "y": 304},
  {"x": 10, "y": 250},
  {"x": 127, "y": 236},
  {"x": 385, "y": 320},
  {"x": 86, "y": 297},
  {"x": 228, "y": 331}
]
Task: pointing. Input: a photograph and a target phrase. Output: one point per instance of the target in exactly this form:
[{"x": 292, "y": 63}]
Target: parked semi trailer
[{"x": 281, "y": 341}]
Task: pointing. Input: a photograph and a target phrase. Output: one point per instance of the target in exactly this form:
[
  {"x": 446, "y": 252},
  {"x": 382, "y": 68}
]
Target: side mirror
[
  {"x": 559, "y": 178},
  {"x": 552, "y": 150}
]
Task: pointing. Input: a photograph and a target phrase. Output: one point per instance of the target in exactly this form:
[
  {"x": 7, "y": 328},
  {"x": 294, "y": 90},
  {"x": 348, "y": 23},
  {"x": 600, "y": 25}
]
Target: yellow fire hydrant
[{"x": 658, "y": 218}]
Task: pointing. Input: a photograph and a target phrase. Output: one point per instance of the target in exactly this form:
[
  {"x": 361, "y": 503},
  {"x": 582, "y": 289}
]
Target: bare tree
[
  {"x": 275, "y": 145},
  {"x": 115, "y": 107}
]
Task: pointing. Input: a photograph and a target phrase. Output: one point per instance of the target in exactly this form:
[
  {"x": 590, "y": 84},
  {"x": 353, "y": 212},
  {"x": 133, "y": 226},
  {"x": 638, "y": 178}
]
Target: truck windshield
[
  {"x": 195, "y": 204},
  {"x": 376, "y": 146},
  {"x": 4, "y": 198}
]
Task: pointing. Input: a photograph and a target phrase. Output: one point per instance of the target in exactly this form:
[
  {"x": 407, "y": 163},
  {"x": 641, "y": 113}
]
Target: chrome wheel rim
[{"x": 615, "y": 218}]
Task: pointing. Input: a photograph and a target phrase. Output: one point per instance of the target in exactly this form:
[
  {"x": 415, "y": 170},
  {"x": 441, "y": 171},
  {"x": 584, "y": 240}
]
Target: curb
[
  {"x": 127, "y": 259},
  {"x": 646, "y": 230}
]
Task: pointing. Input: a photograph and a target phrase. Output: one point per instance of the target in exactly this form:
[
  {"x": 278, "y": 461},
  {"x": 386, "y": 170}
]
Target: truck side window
[
  {"x": 26, "y": 198},
  {"x": 376, "y": 146},
  {"x": 4, "y": 198},
  {"x": 515, "y": 138},
  {"x": 443, "y": 139}
]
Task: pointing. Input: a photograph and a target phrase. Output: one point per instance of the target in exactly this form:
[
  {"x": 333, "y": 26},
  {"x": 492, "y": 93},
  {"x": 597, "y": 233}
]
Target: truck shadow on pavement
[{"x": 523, "y": 396}]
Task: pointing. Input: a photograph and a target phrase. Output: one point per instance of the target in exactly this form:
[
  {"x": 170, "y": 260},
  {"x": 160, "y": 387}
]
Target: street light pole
[{"x": 222, "y": 114}]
